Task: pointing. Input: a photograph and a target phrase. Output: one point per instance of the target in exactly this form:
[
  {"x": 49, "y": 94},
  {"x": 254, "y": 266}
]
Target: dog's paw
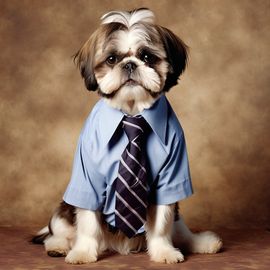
[
  {"x": 206, "y": 242},
  {"x": 80, "y": 257},
  {"x": 167, "y": 255},
  {"x": 56, "y": 246},
  {"x": 57, "y": 253}
]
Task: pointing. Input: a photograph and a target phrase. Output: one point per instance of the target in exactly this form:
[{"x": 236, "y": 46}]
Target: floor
[{"x": 248, "y": 249}]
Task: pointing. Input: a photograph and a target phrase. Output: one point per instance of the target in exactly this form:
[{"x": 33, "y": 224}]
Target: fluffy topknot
[{"x": 129, "y": 18}]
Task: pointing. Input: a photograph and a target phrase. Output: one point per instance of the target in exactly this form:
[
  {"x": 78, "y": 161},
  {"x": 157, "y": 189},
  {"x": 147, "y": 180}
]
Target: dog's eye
[
  {"x": 148, "y": 58},
  {"x": 111, "y": 60},
  {"x": 145, "y": 57}
]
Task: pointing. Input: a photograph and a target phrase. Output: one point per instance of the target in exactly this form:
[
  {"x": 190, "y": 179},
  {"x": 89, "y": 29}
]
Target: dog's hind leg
[
  {"x": 60, "y": 240},
  {"x": 202, "y": 242},
  {"x": 59, "y": 234}
]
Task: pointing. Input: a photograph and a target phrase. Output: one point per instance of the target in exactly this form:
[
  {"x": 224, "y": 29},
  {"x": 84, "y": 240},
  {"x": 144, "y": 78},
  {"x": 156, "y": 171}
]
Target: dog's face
[{"x": 130, "y": 60}]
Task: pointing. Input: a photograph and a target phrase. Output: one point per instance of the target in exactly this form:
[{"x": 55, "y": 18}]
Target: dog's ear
[
  {"x": 84, "y": 59},
  {"x": 177, "y": 56}
]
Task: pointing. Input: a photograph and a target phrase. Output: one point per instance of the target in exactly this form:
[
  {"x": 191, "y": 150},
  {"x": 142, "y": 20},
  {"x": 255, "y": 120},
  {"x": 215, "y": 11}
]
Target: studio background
[{"x": 222, "y": 101}]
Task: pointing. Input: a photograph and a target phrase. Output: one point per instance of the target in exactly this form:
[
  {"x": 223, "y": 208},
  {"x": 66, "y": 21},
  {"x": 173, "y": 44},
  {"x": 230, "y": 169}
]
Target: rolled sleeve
[
  {"x": 87, "y": 187},
  {"x": 173, "y": 182}
]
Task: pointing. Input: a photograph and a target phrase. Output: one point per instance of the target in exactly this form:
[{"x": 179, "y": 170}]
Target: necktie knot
[{"x": 134, "y": 126}]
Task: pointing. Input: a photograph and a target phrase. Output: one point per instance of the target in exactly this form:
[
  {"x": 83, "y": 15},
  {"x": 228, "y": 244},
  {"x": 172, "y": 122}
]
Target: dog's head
[{"x": 130, "y": 60}]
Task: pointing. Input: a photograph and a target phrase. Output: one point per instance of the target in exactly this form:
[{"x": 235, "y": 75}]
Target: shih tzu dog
[{"x": 131, "y": 62}]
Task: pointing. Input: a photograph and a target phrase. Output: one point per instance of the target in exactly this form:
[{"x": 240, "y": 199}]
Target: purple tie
[{"x": 131, "y": 182}]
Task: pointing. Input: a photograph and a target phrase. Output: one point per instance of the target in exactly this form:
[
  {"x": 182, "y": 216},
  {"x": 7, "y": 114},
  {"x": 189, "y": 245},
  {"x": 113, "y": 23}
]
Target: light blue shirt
[{"x": 101, "y": 143}]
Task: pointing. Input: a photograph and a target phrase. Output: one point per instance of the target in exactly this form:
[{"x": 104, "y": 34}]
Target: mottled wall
[{"x": 222, "y": 101}]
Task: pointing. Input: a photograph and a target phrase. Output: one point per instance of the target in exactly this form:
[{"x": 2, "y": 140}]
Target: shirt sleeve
[
  {"x": 173, "y": 182},
  {"x": 87, "y": 187}
]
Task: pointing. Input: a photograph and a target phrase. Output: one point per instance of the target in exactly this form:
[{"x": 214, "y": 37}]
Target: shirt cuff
[
  {"x": 82, "y": 199},
  {"x": 174, "y": 194}
]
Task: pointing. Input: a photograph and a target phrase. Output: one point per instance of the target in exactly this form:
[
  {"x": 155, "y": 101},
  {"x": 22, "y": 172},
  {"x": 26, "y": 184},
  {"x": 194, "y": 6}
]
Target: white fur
[
  {"x": 139, "y": 100},
  {"x": 62, "y": 239},
  {"x": 130, "y": 40},
  {"x": 202, "y": 242},
  {"x": 120, "y": 243},
  {"x": 159, "y": 237},
  {"x": 44, "y": 230},
  {"x": 88, "y": 236},
  {"x": 163, "y": 237},
  {"x": 205, "y": 242},
  {"x": 127, "y": 18}
]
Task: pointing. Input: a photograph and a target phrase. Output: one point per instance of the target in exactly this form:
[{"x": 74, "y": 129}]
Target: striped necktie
[{"x": 131, "y": 182}]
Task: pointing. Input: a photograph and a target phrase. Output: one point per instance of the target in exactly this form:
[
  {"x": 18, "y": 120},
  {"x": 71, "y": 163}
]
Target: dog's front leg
[
  {"x": 160, "y": 220},
  {"x": 88, "y": 237}
]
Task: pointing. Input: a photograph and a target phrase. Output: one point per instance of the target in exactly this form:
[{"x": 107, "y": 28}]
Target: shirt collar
[{"x": 156, "y": 117}]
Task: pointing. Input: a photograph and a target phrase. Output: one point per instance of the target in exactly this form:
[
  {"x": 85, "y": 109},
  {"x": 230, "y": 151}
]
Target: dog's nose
[{"x": 130, "y": 66}]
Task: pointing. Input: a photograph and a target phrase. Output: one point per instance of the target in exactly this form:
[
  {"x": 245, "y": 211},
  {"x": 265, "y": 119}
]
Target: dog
[{"x": 131, "y": 62}]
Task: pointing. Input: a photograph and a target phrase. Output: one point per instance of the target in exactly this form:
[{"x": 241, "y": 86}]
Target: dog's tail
[{"x": 40, "y": 237}]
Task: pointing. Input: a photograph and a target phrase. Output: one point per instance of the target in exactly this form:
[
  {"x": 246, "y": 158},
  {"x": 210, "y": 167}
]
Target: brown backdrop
[{"x": 222, "y": 102}]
